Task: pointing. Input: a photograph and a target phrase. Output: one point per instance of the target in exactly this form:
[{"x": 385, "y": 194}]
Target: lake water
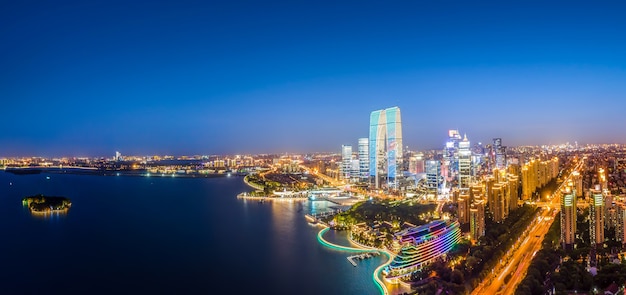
[{"x": 152, "y": 235}]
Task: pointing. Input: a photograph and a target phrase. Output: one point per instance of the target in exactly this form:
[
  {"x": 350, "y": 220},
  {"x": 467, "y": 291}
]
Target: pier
[
  {"x": 361, "y": 256},
  {"x": 316, "y": 218}
]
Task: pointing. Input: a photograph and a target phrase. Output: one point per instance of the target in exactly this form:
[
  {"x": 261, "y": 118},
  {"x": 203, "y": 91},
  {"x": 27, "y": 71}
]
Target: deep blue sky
[{"x": 87, "y": 78}]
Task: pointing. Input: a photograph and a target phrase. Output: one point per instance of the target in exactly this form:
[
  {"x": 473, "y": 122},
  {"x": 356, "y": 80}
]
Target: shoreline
[
  {"x": 122, "y": 173},
  {"x": 380, "y": 284},
  {"x": 255, "y": 186},
  {"x": 247, "y": 197}
]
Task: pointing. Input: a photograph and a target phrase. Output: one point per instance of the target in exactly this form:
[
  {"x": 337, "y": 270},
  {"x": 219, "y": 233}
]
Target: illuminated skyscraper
[
  {"x": 464, "y": 202},
  {"x": 568, "y": 218},
  {"x": 477, "y": 219},
  {"x": 364, "y": 161},
  {"x": 355, "y": 170},
  {"x": 433, "y": 175},
  {"x": 465, "y": 163},
  {"x": 346, "y": 161},
  {"x": 499, "y": 207},
  {"x": 385, "y": 147},
  {"x": 499, "y": 152},
  {"x": 596, "y": 217},
  {"x": 451, "y": 155}
]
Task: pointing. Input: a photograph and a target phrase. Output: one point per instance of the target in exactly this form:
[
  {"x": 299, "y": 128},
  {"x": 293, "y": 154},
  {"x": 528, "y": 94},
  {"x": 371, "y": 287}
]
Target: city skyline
[{"x": 87, "y": 79}]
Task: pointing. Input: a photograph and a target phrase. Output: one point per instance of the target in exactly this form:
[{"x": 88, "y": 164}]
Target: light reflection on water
[
  {"x": 316, "y": 207},
  {"x": 180, "y": 235},
  {"x": 370, "y": 264}
]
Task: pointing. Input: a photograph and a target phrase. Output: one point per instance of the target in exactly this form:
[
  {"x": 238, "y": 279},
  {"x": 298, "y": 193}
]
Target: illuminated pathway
[
  {"x": 519, "y": 257},
  {"x": 379, "y": 283}
]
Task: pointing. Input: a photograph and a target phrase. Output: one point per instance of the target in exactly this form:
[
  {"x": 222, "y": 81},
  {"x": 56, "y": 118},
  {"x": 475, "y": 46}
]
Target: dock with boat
[{"x": 361, "y": 256}]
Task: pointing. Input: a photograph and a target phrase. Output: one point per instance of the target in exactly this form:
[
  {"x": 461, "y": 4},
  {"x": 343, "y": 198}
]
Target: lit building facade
[
  {"x": 499, "y": 153},
  {"x": 578, "y": 183},
  {"x": 416, "y": 163},
  {"x": 596, "y": 217},
  {"x": 346, "y": 161},
  {"x": 568, "y": 218},
  {"x": 420, "y": 245},
  {"x": 354, "y": 170},
  {"x": 385, "y": 147},
  {"x": 499, "y": 207},
  {"x": 433, "y": 175},
  {"x": 451, "y": 155},
  {"x": 477, "y": 219},
  {"x": 465, "y": 163},
  {"x": 364, "y": 161},
  {"x": 464, "y": 202},
  {"x": 513, "y": 191},
  {"x": 620, "y": 227}
]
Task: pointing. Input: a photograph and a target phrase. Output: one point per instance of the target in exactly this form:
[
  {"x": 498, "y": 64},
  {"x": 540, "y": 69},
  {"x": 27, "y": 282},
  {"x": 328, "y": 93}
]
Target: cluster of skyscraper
[
  {"x": 536, "y": 174},
  {"x": 380, "y": 157},
  {"x": 496, "y": 192},
  {"x": 604, "y": 212},
  {"x": 479, "y": 180}
]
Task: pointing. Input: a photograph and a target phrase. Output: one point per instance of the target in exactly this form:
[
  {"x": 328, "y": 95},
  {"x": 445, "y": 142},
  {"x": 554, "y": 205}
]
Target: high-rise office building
[
  {"x": 355, "y": 170},
  {"x": 364, "y": 161},
  {"x": 499, "y": 152},
  {"x": 465, "y": 163},
  {"x": 451, "y": 155},
  {"x": 596, "y": 216},
  {"x": 568, "y": 217},
  {"x": 385, "y": 147},
  {"x": 433, "y": 175},
  {"x": 346, "y": 161},
  {"x": 416, "y": 163}
]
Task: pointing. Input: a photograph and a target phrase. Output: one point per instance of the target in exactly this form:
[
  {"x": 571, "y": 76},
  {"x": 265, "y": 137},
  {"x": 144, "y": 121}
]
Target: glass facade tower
[
  {"x": 364, "y": 161},
  {"x": 385, "y": 147}
]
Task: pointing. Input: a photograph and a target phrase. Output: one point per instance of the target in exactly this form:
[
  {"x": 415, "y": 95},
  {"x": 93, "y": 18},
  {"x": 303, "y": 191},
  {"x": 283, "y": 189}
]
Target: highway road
[{"x": 517, "y": 260}]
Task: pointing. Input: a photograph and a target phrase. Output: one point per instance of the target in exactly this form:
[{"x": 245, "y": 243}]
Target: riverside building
[{"x": 420, "y": 245}]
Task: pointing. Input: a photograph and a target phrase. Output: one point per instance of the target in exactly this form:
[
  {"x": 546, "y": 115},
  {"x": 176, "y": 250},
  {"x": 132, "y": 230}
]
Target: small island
[{"x": 40, "y": 204}]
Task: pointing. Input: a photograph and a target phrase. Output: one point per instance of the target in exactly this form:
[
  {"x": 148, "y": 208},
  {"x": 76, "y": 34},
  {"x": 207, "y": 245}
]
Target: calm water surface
[{"x": 139, "y": 235}]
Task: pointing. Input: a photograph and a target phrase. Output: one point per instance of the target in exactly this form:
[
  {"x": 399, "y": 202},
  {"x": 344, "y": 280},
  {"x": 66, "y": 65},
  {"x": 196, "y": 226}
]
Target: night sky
[{"x": 87, "y": 78}]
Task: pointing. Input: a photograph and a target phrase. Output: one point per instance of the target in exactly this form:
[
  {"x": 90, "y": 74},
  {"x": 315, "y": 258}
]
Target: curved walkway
[
  {"x": 253, "y": 185},
  {"x": 379, "y": 283}
]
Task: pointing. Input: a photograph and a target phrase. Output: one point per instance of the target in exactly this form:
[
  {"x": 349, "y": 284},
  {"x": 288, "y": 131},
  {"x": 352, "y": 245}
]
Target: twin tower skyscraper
[
  {"x": 385, "y": 148},
  {"x": 380, "y": 156}
]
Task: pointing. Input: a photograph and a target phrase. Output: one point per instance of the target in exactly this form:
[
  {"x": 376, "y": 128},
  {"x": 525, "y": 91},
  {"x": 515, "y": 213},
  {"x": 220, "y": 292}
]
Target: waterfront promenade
[
  {"x": 248, "y": 196},
  {"x": 360, "y": 248}
]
